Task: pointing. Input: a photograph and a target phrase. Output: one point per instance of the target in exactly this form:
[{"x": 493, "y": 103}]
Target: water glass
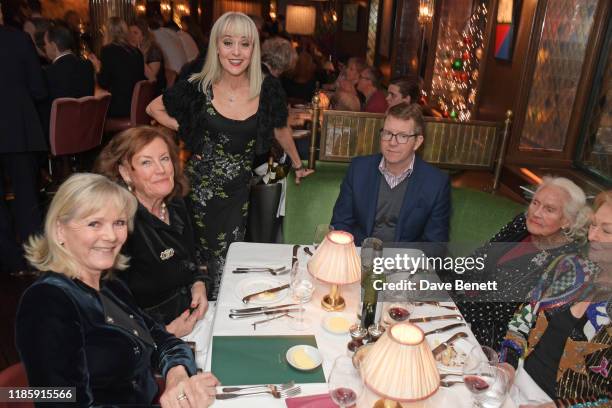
[
  {"x": 345, "y": 383},
  {"x": 302, "y": 288}
]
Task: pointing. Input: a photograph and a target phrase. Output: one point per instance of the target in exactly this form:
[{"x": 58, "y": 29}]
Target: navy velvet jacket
[
  {"x": 68, "y": 336},
  {"x": 425, "y": 213}
]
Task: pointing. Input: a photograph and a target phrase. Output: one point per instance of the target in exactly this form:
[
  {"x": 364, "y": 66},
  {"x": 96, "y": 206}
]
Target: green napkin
[{"x": 249, "y": 360}]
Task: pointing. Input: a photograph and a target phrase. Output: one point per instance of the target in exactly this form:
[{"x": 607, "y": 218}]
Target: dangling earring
[
  {"x": 566, "y": 231},
  {"x": 61, "y": 243},
  {"x": 129, "y": 186}
]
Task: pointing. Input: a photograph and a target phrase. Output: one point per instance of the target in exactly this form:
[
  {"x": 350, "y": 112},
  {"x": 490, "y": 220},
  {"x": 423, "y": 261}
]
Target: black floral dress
[{"x": 220, "y": 165}]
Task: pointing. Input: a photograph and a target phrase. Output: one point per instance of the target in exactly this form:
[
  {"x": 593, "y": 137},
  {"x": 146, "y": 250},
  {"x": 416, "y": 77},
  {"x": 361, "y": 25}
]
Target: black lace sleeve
[
  {"x": 273, "y": 112},
  {"x": 180, "y": 102}
]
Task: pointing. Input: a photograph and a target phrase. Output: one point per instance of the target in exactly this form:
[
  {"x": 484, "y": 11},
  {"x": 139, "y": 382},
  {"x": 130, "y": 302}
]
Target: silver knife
[
  {"x": 294, "y": 257},
  {"x": 445, "y": 328},
  {"x": 448, "y": 342},
  {"x": 261, "y": 308},
  {"x": 430, "y": 318},
  {"x": 272, "y": 290},
  {"x": 267, "y": 313}
]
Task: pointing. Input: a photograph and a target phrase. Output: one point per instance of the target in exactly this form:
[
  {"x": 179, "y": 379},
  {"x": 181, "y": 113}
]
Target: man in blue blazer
[{"x": 395, "y": 195}]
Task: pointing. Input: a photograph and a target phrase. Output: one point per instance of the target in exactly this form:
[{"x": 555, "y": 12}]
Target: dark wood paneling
[
  {"x": 500, "y": 83},
  {"x": 406, "y": 39}
]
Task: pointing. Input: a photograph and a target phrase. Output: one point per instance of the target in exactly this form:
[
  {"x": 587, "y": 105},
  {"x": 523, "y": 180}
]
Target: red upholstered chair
[
  {"x": 144, "y": 93},
  {"x": 14, "y": 376},
  {"x": 76, "y": 126}
]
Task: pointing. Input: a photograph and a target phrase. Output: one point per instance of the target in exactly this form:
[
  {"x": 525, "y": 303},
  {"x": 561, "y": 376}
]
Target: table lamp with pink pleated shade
[
  {"x": 400, "y": 365},
  {"x": 336, "y": 262}
]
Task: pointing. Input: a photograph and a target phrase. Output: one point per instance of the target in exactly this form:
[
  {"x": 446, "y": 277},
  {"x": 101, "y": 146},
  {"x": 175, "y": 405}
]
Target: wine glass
[
  {"x": 320, "y": 232},
  {"x": 302, "y": 288},
  {"x": 345, "y": 383},
  {"x": 399, "y": 311},
  {"x": 483, "y": 376}
]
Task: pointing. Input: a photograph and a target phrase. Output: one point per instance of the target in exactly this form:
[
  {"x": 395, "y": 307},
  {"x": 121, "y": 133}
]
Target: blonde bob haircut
[
  {"x": 605, "y": 197},
  {"x": 575, "y": 208},
  {"x": 78, "y": 197},
  {"x": 234, "y": 24}
]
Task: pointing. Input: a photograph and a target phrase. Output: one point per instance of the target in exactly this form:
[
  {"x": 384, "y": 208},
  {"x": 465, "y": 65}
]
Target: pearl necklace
[{"x": 162, "y": 212}]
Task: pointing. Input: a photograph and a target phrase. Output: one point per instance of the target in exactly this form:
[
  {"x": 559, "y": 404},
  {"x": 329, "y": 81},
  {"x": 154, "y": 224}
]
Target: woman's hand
[
  {"x": 183, "y": 391},
  {"x": 157, "y": 111},
  {"x": 301, "y": 173},
  {"x": 199, "y": 301},
  {"x": 182, "y": 325}
]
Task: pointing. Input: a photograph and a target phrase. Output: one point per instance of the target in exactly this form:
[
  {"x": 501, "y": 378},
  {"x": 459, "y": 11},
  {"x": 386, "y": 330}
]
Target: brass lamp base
[{"x": 333, "y": 302}]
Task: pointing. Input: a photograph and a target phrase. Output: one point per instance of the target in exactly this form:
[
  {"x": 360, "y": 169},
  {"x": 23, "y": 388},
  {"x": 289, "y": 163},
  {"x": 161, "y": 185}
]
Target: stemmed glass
[
  {"x": 345, "y": 383},
  {"x": 320, "y": 232},
  {"x": 399, "y": 311},
  {"x": 302, "y": 288},
  {"x": 485, "y": 378}
]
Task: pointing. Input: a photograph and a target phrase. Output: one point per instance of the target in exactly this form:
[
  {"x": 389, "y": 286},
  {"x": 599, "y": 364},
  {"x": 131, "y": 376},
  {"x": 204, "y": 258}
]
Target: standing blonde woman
[
  {"x": 226, "y": 114},
  {"x": 79, "y": 327},
  {"x": 121, "y": 67}
]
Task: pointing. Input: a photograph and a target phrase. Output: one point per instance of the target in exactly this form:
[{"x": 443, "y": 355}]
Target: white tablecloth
[{"x": 330, "y": 345}]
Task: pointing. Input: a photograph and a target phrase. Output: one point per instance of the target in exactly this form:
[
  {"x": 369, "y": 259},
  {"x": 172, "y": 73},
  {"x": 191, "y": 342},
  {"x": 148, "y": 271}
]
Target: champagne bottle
[
  {"x": 371, "y": 248},
  {"x": 270, "y": 176}
]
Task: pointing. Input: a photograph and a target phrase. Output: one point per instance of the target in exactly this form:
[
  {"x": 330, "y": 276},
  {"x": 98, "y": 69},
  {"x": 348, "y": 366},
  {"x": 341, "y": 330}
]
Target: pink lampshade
[
  {"x": 336, "y": 260},
  {"x": 400, "y": 365}
]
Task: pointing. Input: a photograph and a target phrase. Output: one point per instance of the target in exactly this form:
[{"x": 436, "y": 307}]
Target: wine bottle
[
  {"x": 371, "y": 248},
  {"x": 270, "y": 176}
]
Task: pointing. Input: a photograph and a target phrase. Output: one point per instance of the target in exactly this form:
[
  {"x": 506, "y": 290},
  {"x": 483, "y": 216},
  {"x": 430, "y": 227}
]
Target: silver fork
[
  {"x": 281, "y": 387},
  {"x": 275, "y": 393},
  {"x": 274, "y": 271}
]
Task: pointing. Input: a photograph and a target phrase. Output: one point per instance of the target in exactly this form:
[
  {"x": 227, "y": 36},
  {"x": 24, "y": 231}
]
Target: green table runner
[{"x": 249, "y": 360}]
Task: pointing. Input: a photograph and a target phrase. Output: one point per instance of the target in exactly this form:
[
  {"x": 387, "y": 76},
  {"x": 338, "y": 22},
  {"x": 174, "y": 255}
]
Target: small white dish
[
  {"x": 303, "y": 357},
  {"x": 255, "y": 284},
  {"x": 337, "y": 323}
]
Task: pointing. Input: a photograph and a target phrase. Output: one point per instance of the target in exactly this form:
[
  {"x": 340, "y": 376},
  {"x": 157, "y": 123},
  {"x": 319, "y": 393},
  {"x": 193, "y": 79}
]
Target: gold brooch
[{"x": 166, "y": 254}]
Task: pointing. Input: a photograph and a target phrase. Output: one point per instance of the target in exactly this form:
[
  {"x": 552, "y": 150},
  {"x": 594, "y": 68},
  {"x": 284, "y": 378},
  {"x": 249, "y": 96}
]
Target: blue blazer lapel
[
  {"x": 415, "y": 181},
  {"x": 372, "y": 185}
]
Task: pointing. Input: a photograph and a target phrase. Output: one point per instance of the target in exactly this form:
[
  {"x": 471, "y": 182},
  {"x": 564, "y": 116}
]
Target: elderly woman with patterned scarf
[
  {"x": 563, "y": 334},
  {"x": 554, "y": 225}
]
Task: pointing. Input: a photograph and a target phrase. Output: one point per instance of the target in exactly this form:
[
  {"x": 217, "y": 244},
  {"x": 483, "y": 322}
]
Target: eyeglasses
[{"x": 400, "y": 138}]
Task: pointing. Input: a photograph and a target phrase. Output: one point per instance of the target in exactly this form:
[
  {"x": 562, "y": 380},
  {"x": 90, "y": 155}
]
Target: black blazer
[
  {"x": 122, "y": 67},
  {"x": 163, "y": 264},
  {"x": 426, "y": 208},
  {"x": 70, "y": 335},
  {"x": 68, "y": 77},
  {"x": 21, "y": 85}
]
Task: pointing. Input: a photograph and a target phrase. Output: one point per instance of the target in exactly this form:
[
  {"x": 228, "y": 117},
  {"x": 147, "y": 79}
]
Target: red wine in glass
[
  {"x": 345, "y": 397},
  {"x": 399, "y": 314},
  {"x": 475, "y": 384}
]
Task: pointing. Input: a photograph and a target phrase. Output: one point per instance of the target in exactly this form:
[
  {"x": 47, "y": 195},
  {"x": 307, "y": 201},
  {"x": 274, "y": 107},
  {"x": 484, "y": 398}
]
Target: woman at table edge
[
  {"x": 163, "y": 276},
  {"x": 79, "y": 327},
  {"x": 571, "y": 312}
]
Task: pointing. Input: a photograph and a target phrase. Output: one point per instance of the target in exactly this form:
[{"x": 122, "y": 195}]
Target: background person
[
  {"x": 163, "y": 275},
  {"x": 141, "y": 38},
  {"x": 94, "y": 337},
  {"x": 22, "y": 85},
  {"x": 122, "y": 66}
]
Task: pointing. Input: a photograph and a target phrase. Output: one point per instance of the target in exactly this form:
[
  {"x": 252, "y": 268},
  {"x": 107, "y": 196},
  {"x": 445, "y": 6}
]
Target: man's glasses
[{"x": 400, "y": 138}]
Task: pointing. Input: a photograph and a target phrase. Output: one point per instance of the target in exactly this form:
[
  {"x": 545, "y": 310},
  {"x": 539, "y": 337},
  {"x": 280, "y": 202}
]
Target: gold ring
[{"x": 181, "y": 396}]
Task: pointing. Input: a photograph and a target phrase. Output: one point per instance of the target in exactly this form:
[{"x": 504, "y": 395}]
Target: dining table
[{"x": 218, "y": 323}]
